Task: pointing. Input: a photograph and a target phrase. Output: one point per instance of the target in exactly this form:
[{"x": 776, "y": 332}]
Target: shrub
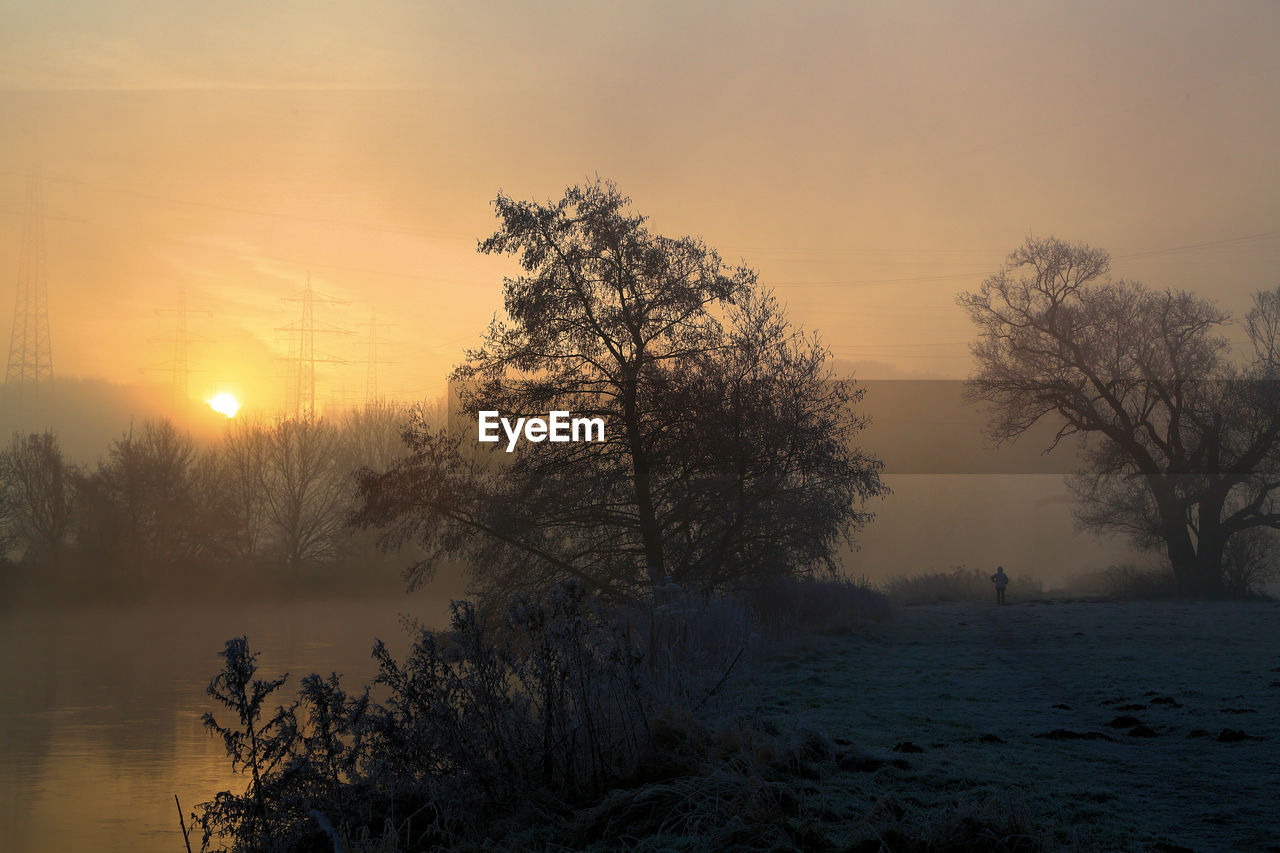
[
  {"x": 821, "y": 605},
  {"x": 1250, "y": 560},
  {"x": 694, "y": 642},
  {"x": 1128, "y": 581},
  {"x": 512, "y": 726},
  {"x": 545, "y": 707},
  {"x": 254, "y": 746}
]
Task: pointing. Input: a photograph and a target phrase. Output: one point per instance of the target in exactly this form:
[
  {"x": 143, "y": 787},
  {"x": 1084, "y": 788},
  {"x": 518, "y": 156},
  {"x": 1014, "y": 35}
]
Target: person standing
[{"x": 1001, "y": 580}]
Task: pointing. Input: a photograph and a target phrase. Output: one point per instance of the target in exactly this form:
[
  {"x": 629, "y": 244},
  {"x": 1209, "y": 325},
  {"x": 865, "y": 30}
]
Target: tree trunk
[
  {"x": 1208, "y": 568},
  {"x": 1196, "y": 570},
  {"x": 1210, "y": 545},
  {"x": 1177, "y": 536},
  {"x": 650, "y": 533},
  {"x": 1182, "y": 559}
]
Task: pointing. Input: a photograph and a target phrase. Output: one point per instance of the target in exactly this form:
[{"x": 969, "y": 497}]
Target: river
[{"x": 100, "y": 708}]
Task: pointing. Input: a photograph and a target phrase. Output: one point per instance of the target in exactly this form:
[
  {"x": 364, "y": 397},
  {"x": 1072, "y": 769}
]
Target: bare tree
[
  {"x": 371, "y": 436},
  {"x": 1182, "y": 445},
  {"x": 306, "y": 493},
  {"x": 8, "y": 518},
  {"x": 37, "y": 496},
  {"x": 1250, "y": 560},
  {"x": 244, "y": 465}
]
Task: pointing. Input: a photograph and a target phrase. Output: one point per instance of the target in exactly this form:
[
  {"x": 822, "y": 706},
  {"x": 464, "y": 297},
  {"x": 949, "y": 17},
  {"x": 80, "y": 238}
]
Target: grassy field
[{"x": 1041, "y": 725}]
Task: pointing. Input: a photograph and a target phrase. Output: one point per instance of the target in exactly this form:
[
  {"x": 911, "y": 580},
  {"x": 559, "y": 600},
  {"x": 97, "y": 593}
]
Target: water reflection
[{"x": 100, "y": 708}]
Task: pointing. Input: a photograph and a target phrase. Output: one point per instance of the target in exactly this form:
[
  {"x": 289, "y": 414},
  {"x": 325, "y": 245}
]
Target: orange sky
[{"x": 869, "y": 159}]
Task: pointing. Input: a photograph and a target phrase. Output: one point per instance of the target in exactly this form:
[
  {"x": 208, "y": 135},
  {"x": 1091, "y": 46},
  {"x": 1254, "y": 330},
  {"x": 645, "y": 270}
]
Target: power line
[
  {"x": 1195, "y": 247},
  {"x": 1170, "y": 250},
  {"x": 915, "y": 344},
  {"x": 785, "y": 284},
  {"x": 878, "y": 282}
]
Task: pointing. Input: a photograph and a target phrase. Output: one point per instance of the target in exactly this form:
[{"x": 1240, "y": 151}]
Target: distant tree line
[{"x": 271, "y": 494}]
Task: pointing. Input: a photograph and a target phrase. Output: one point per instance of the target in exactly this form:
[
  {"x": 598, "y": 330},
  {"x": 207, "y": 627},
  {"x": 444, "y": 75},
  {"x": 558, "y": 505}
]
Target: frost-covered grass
[{"x": 939, "y": 718}]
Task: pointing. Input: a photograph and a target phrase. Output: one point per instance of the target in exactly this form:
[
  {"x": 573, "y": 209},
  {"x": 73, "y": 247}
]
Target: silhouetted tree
[
  {"x": 307, "y": 494},
  {"x": 762, "y": 470},
  {"x": 243, "y": 457},
  {"x": 37, "y": 496},
  {"x": 369, "y": 436},
  {"x": 1182, "y": 445},
  {"x": 154, "y": 503},
  {"x": 8, "y": 521},
  {"x": 1250, "y": 559},
  {"x": 728, "y": 451}
]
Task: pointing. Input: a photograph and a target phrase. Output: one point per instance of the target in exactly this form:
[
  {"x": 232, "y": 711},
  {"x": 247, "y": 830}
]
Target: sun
[{"x": 224, "y": 403}]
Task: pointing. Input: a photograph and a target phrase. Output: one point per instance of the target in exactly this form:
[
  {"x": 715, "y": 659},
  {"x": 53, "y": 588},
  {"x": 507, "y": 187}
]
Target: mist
[{"x": 936, "y": 348}]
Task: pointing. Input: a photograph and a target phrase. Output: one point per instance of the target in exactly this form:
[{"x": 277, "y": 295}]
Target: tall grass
[
  {"x": 959, "y": 584},
  {"x": 830, "y": 605}
]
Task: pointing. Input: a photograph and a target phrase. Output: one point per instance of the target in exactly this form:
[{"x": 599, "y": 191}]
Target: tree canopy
[{"x": 729, "y": 448}]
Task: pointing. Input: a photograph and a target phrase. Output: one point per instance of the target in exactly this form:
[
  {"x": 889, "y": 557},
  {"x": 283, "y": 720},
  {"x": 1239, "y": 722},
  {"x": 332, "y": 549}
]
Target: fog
[
  {"x": 88, "y": 414},
  {"x": 283, "y": 203},
  {"x": 957, "y": 499}
]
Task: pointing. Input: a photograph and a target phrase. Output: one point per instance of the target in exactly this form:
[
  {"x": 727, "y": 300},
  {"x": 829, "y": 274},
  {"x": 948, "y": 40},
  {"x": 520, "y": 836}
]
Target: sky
[{"x": 871, "y": 160}]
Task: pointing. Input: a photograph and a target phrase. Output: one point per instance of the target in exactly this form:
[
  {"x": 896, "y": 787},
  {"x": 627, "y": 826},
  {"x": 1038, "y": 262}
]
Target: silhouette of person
[{"x": 1001, "y": 580}]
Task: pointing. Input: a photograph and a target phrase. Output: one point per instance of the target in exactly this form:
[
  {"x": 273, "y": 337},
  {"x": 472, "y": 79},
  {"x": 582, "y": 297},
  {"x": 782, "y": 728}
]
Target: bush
[
  {"x": 1127, "y": 581},
  {"x": 254, "y": 746},
  {"x": 821, "y": 605},
  {"x": 542, "y": 709},
  {"x": 1250, "y": 560},
  {"x": 693, "y": 640},
  {"x": 552, "y": 714},
  {"x": 1090, "y": 583}
]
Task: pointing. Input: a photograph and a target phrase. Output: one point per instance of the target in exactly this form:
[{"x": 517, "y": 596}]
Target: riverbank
[{"x": 961, "y": 724}]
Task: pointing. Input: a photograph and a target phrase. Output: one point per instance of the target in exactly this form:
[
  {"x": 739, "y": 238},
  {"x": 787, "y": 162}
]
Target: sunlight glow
[{"x": 224, "y": 403}]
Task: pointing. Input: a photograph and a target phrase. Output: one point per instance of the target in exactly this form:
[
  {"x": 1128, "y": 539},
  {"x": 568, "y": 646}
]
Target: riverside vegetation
[
  {"x": 807, "y": 716},
  {"x": 558, "y": 722}
]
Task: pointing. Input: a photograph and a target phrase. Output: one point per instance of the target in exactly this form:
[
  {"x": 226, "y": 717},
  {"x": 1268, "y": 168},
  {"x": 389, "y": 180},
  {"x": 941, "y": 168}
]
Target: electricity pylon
[
  {"x": 30, "y": 352},
  {"x": 301, "y": 380},
  {"x": 180, "y": 367},
  {"x": 371, "y": 360}
]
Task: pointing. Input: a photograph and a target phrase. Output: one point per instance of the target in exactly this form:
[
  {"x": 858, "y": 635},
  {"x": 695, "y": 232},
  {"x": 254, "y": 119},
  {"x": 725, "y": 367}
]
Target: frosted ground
[{"x": 944, "y": 709}]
